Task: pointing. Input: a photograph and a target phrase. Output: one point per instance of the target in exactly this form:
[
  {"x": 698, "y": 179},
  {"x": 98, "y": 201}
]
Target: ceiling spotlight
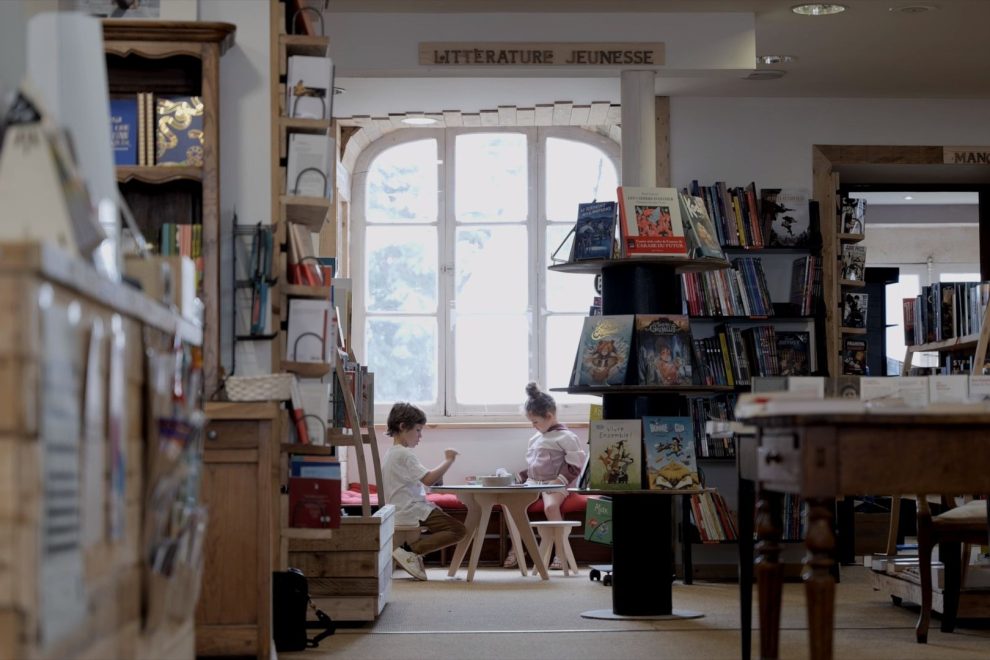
[
  {"x": 418, "y": 120},
  {"x": 908, "y": 197},
  {"x": 818, "y": 9},
  {"x": 775, "y": 59},
  {"x": 766, "y": 74}
]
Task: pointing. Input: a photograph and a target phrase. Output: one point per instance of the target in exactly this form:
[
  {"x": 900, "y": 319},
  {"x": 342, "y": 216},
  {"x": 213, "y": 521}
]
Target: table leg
[
  {"x": 470, "y": 523},
  {"x": 517, "y": 546},
  {"x": 485, "y": 502},
  {"x": 819, "y": 582},
  {"x": 516, "y": 505},
  {"x": 769, "y": 571},
  {"x": 746, "y": 515}
]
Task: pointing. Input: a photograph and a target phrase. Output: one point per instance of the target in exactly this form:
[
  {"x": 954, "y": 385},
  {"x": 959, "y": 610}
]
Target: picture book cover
[
  {"x": 853, "y": 262},
  {"x": 794, "y": 352},
  {"x": 664, "y": 349},
  {"x": 604, "y": 349},
  {"x": 785, "y": 212},
  {"x": 854, "y": 310},
  {"x": 702, "y": 238},
  {"x": 616, "y": 454},
  {"x": 124, "y": 130},
  {"x": 650, "y": 222},
  {"x": 179, "y": 131},
  {"x": 594, "y": 230},
  {"x": 669, "y": 453},
  {"x": 309, "y": 88},
  {"x": 854, "y": 356},
  {"x": 852, "y": 215}
]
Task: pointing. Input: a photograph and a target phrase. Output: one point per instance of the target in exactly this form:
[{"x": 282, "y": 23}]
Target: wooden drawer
[
  {"x": 232, "y": 434},
  {"x": 779, "y": 461}
]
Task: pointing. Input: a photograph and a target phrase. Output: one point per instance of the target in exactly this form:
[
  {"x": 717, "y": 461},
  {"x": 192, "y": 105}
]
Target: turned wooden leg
[
  {"x": 769, "y": 571},
  {"x": 951, "y": 556},
  {"x": 819, "y": 582},
  {"x": 925, "y": 573}
]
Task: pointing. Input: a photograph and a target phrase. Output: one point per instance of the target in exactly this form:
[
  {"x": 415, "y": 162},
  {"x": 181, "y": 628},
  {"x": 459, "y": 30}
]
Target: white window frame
[{"x": 537, "y": 225}]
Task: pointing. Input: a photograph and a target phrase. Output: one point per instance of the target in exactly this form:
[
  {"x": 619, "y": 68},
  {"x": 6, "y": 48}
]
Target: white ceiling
[{"x": 867, "y": 51}]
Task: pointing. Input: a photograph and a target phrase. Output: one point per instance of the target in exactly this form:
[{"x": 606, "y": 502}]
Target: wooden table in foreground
[
  {"x": 821, "y": 457},
  {"x": 479, "y": 501}
]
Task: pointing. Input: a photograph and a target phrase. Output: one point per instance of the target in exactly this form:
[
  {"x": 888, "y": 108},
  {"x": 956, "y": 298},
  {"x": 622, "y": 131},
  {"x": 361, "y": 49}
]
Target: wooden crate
[{"x": 350, "y": 573}]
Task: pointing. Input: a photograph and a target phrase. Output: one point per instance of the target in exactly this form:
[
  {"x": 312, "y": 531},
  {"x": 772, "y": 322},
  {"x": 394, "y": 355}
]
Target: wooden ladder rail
[{"x": 357, "y": 439}]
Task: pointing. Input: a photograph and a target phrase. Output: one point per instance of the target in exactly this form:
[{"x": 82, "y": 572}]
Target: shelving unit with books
[{"x": 177, "y": 186}]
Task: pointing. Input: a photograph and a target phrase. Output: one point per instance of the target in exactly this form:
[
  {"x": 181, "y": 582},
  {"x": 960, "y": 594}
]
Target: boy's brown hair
[{"x": 403, "y": 416}]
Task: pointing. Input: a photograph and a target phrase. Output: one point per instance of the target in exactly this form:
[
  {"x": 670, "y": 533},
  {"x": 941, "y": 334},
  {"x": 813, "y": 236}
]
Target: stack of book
[
  {"x": 713, "y": 518},
  {"x": 157, "y": 130}
]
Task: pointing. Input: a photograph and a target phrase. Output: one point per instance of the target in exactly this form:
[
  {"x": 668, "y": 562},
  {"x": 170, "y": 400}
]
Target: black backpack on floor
[{"x": 290, "y": 599}]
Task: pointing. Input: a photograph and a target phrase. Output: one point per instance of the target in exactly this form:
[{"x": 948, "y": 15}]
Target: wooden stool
[
  {"x": 406, "y": 534},
  {"x": 553, "y": 536}
]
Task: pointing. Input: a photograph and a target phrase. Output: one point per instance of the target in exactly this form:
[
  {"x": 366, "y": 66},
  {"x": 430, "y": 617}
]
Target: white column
[{"x": 639, "y": 143}]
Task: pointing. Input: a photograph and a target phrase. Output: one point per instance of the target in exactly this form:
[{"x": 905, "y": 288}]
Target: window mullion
[{"x": 447, "y": 233}]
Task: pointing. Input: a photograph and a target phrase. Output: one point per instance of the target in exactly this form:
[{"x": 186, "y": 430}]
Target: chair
[
  {"x": 952, "y": 530},
  {"x": 554, "y": 537}
]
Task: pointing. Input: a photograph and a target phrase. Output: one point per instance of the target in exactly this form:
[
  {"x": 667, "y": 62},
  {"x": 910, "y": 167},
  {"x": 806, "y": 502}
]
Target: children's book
[
  {"x": 853, "y": 262},
  {"x": 852, "y": 214},
  {"x": 594, "y": 231},
  {"x": 669, "y": 453},
  {"x": 793, "y": 352},
  {"x": 854, "y": 310},
  {"x": 616, "y": 454},
  {"x": 650, "y": 222},
  {"x": 604, "y": 349},
  {"x": 179, "y": 136},
  {"x": 702, "y": 238},
  {"x": 124, "y": 130},
  {"x": 854, "y": 356},
  {"x": 663, "y": 349},
  {"x": 785, "y": 212}
]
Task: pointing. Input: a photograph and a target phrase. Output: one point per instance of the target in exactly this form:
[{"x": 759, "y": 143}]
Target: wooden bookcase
[
  {"x": 180, "y": 58},
  {"x": 52, "y": 302}
]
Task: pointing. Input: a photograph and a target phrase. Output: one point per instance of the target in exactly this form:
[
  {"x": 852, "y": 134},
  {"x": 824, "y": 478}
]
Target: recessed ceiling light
[
  {"x": 418, "y": 120},
  {"x": 775, "y": 59},
  {"x": 766, "y": 74},
  {"x": 818, "y": 9},
  {"x": 913, "y": 9},
  {"x": 908, "y": 197}
]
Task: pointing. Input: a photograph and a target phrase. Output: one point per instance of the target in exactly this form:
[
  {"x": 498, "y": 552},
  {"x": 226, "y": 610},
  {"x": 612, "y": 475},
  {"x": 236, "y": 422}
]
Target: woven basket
[{"x": 270, "y": 387}]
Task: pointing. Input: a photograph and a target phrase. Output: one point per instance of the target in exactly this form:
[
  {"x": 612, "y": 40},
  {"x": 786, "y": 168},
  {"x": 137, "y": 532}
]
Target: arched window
[{"x": 454, "y": 229}]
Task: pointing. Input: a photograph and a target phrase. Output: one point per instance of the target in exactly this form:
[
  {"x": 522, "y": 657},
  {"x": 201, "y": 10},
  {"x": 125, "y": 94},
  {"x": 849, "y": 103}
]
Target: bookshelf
[{"x": 179, "y": 58}]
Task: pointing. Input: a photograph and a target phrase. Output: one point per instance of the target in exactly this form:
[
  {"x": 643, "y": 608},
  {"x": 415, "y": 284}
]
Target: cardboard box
[{"x": 168, "y": 280}]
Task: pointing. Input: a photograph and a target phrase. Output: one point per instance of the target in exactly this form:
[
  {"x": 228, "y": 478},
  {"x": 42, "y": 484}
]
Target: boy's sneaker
[{"x": 410, "y": 562}]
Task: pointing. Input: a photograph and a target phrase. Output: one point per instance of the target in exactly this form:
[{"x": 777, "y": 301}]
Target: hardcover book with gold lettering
[{"x": 179, "y": 131}]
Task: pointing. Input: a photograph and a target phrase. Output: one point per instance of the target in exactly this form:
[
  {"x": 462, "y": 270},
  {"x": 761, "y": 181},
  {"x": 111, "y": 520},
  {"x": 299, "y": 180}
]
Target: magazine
[{"x": 854, "y": 310}]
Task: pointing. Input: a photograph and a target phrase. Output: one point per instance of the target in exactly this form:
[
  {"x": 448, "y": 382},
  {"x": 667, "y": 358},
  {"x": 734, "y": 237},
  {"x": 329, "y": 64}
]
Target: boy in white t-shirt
[{"x": 405, "y": 488}]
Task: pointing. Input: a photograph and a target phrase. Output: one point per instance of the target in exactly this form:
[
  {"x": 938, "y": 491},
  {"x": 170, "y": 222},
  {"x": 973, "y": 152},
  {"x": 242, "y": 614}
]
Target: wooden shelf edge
[
  {"x": 307, "y": 450},
  {"x": 221, "y": 410},
  {"x": 642, "y": 389},
  {"x": 156, "y": 174},
  {"x": 304, "y": 44},
  {"x": 305, "y": 125},
  {"x": 117, "y": 29},
  {"x": 956, "y": 343},
  {"x": 852, "y": 331},
  {"x": 681, "y": 264},
  {"x": 303, "y": 291},
  {"x": 306, "y": 533},
  {"x": 307, "y": 369},
  {"x": 337, "y": 438},
  {"x": 851, "y": 238},
  {"x": 852, "y": 283}
]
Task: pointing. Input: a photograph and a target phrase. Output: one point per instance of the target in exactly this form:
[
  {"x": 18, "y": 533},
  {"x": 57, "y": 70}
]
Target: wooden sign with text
[
  {"x": 966, "y": 155},
  {"x": 540, "y": 54}
]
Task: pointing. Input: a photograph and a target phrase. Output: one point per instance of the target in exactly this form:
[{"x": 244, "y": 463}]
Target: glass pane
[
  {"x": 401, "y": 269},
  {"x": 563, "y": 336},
  {"x": 566, "y": 292},
  {"x": 402, "y": 353},
  {"x": 576, "y": 173},
  {"x": 492, "y": 269},
  {"x": 491, "y": 174},
  {"x": 402, "y": 184},
  {"x": 491, "y": 358}
]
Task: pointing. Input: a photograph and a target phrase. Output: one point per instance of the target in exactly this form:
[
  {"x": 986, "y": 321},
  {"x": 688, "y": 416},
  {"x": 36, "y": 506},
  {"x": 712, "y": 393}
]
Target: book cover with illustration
[
  {"x": 854, "y": 356},
  {"x": 669, "y": 453},
  {"x": 784, "y": 211},
  {"x": 794, "y": 352},
  {"x": 603, "y": 352},
  {"x": 124, "y": 130},
  {"x": 594, "y": 231},
  {"x": 854, "y": 310},
  {"x": 650, "y": 223},
  {"x": 664, "y": 349},
  {"x": 616, "y": 454},
  {"x": 179, "y": 131},
  {"x": 702, "y": 238},
  {"x": 853, "y": 262},
  {"x": 852, "y": 215}
]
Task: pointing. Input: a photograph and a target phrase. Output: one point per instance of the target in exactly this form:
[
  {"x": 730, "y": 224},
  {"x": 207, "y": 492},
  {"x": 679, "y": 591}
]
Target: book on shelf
[
  {"x": 854, "y": 356},
  {"x": 298, "y": 413},
  {"x": 713, "y": 518},
  {"x": 315, "y": 396},
  {"x": 734, "y": 212},
  {"x": 309, "y": 87},
  {"x": 616, "y": 454},
  {"x": 650, "y": 223},
  {"x": 793, "y": 352},
  {"x": 853, "y": 262},
  {"x": 303, "y": 266},
  {"x": 787, "y": 216},
  {"x": 308, "y": 166},
  {"x": 669, "y": 453},
  {"x": 712, "y": 408},
  {"x": 753, "y": 286},
  {"x": 314, "y": 502},
  {"x": 663, "y": 351},
  {"x": 594, "y": 231},
  {"x": 598, "y": 520},
  {"x": 314, "y": 467},
  {"x": 702, "y": 238},
  {"x": 806, "y": 279},
  {"x": 124, "y": 130},
  {"x": 603, "y": 350},
  {"x": 909, "y": 310},
  {"x": 595, "y": 309},
  {"x": 852, "y": 214},
  {"x": 178, "y": 134},
  {"x": 854, "y": 307},
  {"x": 307, "y": 337}
]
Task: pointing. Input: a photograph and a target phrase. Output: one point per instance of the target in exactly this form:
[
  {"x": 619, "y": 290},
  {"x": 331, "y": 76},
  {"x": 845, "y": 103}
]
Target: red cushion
[
  {"x": 446, "y": 500},
  {"x": 574, "y": 502},
  {"x": 352, "y": 496}
]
